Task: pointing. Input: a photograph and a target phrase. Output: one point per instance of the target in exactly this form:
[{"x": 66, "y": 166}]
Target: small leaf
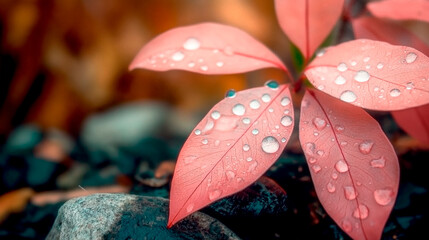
[
  {"x": 308, "y": 23},
  {"x": 372, "y": 74},
  {"x": 232, "y": 146},
  {"x": 414, "y": 121},
  {"x": 400, "y": 9},
  {"x": 387, "y": 31},
  {"x": 207, "y": 48},
  {"x": 353, "y": 165}
]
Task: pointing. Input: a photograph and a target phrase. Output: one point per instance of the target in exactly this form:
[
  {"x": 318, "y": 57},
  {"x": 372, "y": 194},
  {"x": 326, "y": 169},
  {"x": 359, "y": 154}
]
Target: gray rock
[{"x": 125, "y": 216}]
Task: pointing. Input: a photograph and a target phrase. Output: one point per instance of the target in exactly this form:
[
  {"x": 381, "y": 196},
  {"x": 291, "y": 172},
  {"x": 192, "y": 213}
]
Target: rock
[
  {"x": 124, "y": 216},
  {"x": 23, "y": 139}
]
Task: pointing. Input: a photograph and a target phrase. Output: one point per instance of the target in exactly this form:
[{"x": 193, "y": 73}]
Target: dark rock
[
  {"x": 23, "y": 139},
  {"x": 124, "y": 216}
]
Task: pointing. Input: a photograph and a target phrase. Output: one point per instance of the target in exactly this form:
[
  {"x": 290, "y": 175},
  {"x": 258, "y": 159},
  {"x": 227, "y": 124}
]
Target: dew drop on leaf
[
  {"x": 255, "y": 131},
  {"x": 252, "y": 166},
  {"x": 191, "y": 44},
  {"x": 411, "y": 57},
  {"x": 190, "y": 207},
  {"x": 383, "y": 196},
  {"x": 249, "y": 159},
  {"x": 286, "y": 121},
  {"x": 204, "y": 141},
  {"x": 378, "y": 163},
  {"x": 272, "y": 84},
  {"x": 283, "y": 140},
  {"x": 228, "y": 51},
  {"x": 204, "y": 68},
  {"x": 334, "y": 175},
  {"x": 347, "y": 226},
  {"x": 239, "y": 109},
  {"x": 266, "y": 97},
  {"x": 380, "y": 65},
  {"x": 330, "y": 187},
  {"x": 348, "y": 96},
  {"x": 395, "y": 92},
  {"x": 316, "y": 168},
  {"x": 215, "y": 115},
  {"x": 319, "y": 123},
  {"x": 214, "y": 194},
  {"x": 197, "y": 131},
  {"x": 178, "y": 56},
  {"x": 285, "y": 101},
  {"x": 246, "y": 147},
  {"x": 342, "y": 67},
  {"x": 254, "y": 104},
  {"x": 350, "y": 192},
  {"x": 310, "y": 148},
  {"x": 341, "y": 166},
  {"x": 340, "y": 80},
  {"x": 362, "y": 76},
  {"x": 361, "y": 212},
  {"x": 410, "y": 85},
  {"x": 270, "y": 144},
  {"x": 366, "y": 59},
  {"x": 230, "y": 175},
  {"x": 219, "y": 64},
  {"x": 246, "y": 120},
  {"x": 366, "y": 146},
  {"x": 191, "y": 64}
]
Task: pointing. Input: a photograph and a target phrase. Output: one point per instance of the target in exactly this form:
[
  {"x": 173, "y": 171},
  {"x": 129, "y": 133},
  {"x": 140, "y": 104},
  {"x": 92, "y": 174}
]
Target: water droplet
[
  {"x": 204, "y": 68},
  {"x": 362, "y": 76},
  {"x": 215, "y": 194},
  {"x": 215, "y": 115},
  {"x": 334, "y": 175},
  {"x": 316, "y": 134},
  {"x": 197, "y": 131},
  {"x": 270, "y": 110},
  {"x": 255, "y": 131},
  {"x": 286, "y": 121},
  {"x": 343, "y": 143},
  {"x": 191, "y": 64},
  {"x": 411, "y": 57},
  {"x": 246, "y": 147},
  {"x": 395, "y": 92},
  {"x": 189, "y": 159},
  {"x": 339, "y": 128},
  {"x": 348, "y": 96},
  {"x": 378, "y": 163},
  {"x": 200, "y": 60},
  {"x": 246, "y": 120},
  {"x": 330, "y": 187},
  {"x": 285, "y": 101},
  {"x": 380, "y": 65},
  {"x": 254, "y": 104},
  {"x": 353, "y": 63},
  {"x": 217, "y": 142},
  {"x": 320, "y": 152},
  {"x": 230, "y": 93},
  {"x": 342, "y": 67},
  {"x": 310, "y": 148},
  {"x": 361, "y": 212},
  {"x": 209, "y": 125},
  {"x": 239, "y": 109},
  {"x": 272, "y": 84},
  {"x": 383, "y": 196},
  {"x": 205, "y": 141},
  {"x": 191, "y": 44},
  {"x": 320, "y": 53},
  {"x": 266, "y": 97},
  {"x": 346, "y": 226},
  {"x": 350, "y": 192},
  {"x": 283, "y": 140},
  {"x": 340, "y": 80},
  {"x": 312, "y": 160},
  {"x": 252, "y": 166},
  {"x": 316, "y": 168},
  {"x": 365, "y": 147},
  {"x": 219, "y": 64},
  {"x": 230, "y": 175},
  {"x": 410, "y": 85},
  {"x": 321, "y": 87},
  {"x": 228, "y": 51},
  {"x": 190, "y": 207},
  {"x": 270, "y": 144},
  {"x": 319, "y": 123},
  {"x": 341, "y": 166},
  {"x": 178, "y": 56},
  {"x": 366, "y": 59}
]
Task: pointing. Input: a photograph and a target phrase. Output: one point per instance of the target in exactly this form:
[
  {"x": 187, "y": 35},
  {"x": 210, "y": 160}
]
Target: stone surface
[{"x": 124, "y": 216}]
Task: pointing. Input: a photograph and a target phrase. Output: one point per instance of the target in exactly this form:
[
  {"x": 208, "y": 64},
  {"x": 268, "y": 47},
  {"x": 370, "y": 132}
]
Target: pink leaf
[
  {"x": 387, "y": 31},
  {"x": 234, "y": 144},
  {"x": 308, "y": 22},
  {"x": 414, "y": 121},
  {"x": 353, "y": 165},
  {"x": 207, "y": 48},
  {"x": 400, "y": 9},
  {"x": 372, "y": 74}
]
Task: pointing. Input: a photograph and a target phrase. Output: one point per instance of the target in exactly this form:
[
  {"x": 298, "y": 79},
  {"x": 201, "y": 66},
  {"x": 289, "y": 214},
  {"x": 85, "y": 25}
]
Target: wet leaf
[
  {"x": 232, "y": 146},
  {"x": 414, "y": 121},
  {"x": 400, "y": 9},
  {"x": 308, "y": 23},
  {"x": 372, "y": 74},
  {"x": 207, "y": 48},
  {"x": 353, "y": 165}
]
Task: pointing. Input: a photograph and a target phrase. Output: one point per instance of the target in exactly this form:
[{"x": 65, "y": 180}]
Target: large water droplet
[
  {"x": 350, "y": 192},
  {"x": 215, "y": 194},
  {"x": 197, "y": 131},
  {"x": 215, "y": 115},
  {"x": 340, "y": 80},
  {"x": 411, "y": 57},
  {"x": 285, "y": 101},
  {"x": 191, "y": 44},
  {"x": 178, "y": 56},
  {"x": 330, "y": 187},
  {"x": 270, "y": 144},
  {"x": 190, "y": 207},
  {"x": 378, "y": 163},
  {"x": 365, "y": 147},
  {"x": 272, "y": 84},
  {"x": 255, "y": 131},
  {"x": 395, "y": 92},
  {"x": 230, "y": 175},
  {"x": 316, "y": 168},
  {"x": 347, "y": 226},
  {"x": 319, "y": 123},
  {"x": 266, "y": 97},
  {"x": 286, "y": 121},
  {"x": 246, "y": 147},
  {"x": 219, "y": 64},
  {"x": 348, "y": 96},
  {"x": 383, "y": 196},
  {"x": 342, "y": 67},
  {"x": 254, "y": 104},
  {"x": 341, "y": 166},
  {"x": 239, "y": 109},
  {"x": 361, "y": 212},
  {"x": 362, "y": 76}
]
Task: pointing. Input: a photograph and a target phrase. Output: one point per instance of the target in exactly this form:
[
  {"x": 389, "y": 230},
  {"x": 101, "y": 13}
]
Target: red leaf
[
  {"x": 414, "y": 121},
  {"x": 234, "y": 144},
  {"x": 308, "y": 22},
  {"x": 400, "y": 9},
  {"x": 207, "y": 48},
  {"x": 353, "y": 165},
  {"x": 387, "y": 31},
  {"x": 373, "y": 75}
]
